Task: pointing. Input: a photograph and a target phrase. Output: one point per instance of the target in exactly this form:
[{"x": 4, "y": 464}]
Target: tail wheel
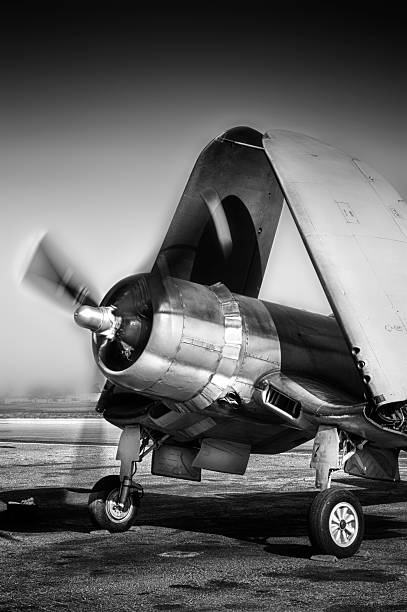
[
  {"x": 104, "y": 509},
  {"x": 336, "y": 523}
]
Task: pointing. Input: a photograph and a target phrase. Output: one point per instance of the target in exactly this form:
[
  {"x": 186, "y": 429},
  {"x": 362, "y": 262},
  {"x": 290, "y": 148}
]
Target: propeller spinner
[{"x": 99, "y": 320}]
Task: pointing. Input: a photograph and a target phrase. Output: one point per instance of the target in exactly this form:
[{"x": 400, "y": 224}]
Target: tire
[
  {"x": 336, "y": 523},
  {"x": 103, "y": 511}
]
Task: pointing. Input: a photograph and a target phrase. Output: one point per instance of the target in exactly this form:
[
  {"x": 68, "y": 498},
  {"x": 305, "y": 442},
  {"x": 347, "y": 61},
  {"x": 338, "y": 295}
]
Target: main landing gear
[
  {"x": 336, "y": 523},
  {"x": 335, "y": 519},
  {"x": 114, "y": 500},
  {"x": 106, "y": 511}
]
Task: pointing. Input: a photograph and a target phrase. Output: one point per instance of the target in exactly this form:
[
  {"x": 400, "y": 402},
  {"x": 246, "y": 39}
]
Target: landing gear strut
[
  {"x": 114, "y": 500},
  {"x": 335, "y": 519}
]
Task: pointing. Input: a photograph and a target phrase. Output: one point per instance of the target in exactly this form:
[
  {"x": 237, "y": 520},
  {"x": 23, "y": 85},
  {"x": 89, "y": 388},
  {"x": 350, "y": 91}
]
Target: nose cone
[{"x": 95, "y": 319}]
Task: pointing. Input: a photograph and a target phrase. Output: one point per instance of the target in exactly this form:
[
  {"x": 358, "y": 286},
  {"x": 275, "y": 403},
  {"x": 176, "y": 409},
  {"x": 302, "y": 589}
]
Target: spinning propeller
[{"x": 50, "y": 271}]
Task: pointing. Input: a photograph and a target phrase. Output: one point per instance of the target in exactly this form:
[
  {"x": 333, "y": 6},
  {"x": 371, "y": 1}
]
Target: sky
[{"x": 104, "y": 108}]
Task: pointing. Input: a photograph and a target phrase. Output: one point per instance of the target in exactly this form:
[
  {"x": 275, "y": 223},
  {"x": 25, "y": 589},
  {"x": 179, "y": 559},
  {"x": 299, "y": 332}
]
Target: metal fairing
[
  {"x": 204, "y": 342},
  {"x": 354, "y": 226},
  {"x": 323, "y": 404},
  {"x": 313, "y": 347},
  {"x": 374, "y": 462},
  {"x": 266, "y": 434},
  {"x": 260, "y": 346},
  {"x": 236, "y": 167}
]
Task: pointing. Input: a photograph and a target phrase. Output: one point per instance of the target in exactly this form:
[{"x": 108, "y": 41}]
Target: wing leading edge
[{"x": 354, "y": 226}]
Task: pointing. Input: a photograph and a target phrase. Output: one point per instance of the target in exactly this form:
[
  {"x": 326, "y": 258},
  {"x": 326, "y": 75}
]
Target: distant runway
[{"x": 59, "y": 431}]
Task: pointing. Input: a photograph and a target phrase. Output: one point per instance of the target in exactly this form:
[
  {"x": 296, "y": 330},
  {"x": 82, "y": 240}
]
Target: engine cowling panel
[{"x": 186, "y": 342}]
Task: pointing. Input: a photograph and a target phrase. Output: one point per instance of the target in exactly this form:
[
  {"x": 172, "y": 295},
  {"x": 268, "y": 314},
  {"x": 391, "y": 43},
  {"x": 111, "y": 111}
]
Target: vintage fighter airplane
[{"x": 203, "y": 373}]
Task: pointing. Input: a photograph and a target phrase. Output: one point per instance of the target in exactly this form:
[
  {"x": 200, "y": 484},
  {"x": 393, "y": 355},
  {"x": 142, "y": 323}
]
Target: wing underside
[{"x": 233, "y": 170}]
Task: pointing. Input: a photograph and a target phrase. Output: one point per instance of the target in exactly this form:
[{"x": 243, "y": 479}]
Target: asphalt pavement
[
  {"x": 59, "y": 430},
  {"x": 227, "y": 543}
]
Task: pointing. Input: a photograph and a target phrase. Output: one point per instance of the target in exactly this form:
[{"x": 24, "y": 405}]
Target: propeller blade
[
  {"x": 50, "y": 271},
  {"x": 215, "y": 207}
]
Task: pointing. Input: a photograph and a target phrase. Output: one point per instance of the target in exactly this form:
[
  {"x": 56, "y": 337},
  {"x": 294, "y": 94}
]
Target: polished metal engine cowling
[{"x": 203, "y": 343}]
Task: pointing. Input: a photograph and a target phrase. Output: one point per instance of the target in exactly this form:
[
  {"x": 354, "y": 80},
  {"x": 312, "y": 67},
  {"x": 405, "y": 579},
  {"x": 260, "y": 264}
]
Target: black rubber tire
[
  {"x": 323, "y": 514},
  {"x": 100, "y": 501}
]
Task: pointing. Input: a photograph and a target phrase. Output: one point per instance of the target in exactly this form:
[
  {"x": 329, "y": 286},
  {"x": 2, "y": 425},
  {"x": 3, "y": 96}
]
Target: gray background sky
[{"x": 104, "y": 109}]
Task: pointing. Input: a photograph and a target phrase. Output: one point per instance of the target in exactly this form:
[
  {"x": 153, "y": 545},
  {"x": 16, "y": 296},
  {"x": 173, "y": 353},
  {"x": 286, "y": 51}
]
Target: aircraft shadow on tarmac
[{"x": 251, "y": 516}]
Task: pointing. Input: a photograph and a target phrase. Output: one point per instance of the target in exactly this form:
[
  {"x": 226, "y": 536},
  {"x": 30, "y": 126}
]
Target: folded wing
[
  {"x": 226, "y": 220},
  {"x": 354, "y": 226}
]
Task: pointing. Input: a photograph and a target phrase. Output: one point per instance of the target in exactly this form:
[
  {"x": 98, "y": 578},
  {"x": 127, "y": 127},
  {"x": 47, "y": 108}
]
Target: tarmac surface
[
  {"x": 59, "y": 430},
  {"x": 227, "y": 543}
]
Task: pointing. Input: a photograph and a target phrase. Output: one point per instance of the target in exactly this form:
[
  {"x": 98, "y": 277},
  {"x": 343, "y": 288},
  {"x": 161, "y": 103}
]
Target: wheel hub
[
  {"x": 343, "y": 524},
  {"x": 115, "y": 512}
]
